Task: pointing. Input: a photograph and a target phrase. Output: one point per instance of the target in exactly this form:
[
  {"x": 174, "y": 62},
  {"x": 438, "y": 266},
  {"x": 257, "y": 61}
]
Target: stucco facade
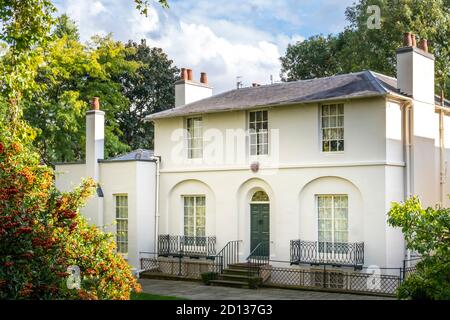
[{"x": 369, "y": 171}]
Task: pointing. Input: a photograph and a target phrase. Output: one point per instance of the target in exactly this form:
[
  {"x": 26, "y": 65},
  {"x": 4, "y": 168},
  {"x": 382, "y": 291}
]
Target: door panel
[{"x": 259, "y": 224}]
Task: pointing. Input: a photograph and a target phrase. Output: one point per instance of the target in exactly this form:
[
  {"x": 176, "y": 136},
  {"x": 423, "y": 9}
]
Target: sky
[{"x": 224, "y": 38}]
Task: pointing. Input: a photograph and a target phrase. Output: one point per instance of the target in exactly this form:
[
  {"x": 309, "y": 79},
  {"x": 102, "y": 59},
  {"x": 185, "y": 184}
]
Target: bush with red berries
[{"x": 42, "y": 232}]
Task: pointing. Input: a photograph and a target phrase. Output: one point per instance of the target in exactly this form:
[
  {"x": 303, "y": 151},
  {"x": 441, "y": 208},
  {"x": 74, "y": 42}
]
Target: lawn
[{"x": 148, "y": 296}]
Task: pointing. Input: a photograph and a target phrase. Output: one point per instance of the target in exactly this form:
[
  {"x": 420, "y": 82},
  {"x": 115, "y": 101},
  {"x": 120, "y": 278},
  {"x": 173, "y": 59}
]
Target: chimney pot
[
  {"x": 189, "y": 74},
  {"x": 413, "y": 40},
  {"x": 423, "y": 44},
  {"x": 203, "y": 78},
  {"x": 95, "y": 103},
  {"x": 183, "y": 74},
  {"x": 407, "y": 42}
]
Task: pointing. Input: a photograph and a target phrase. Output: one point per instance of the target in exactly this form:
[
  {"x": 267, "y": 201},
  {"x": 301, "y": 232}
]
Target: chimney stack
[
  {"x": 407, "y": 41},
  {"x": 413, "y": 40},
  {"x": 423, "y": 44},
  {"x": 95, "y": 104},
  {"x": 415, "y": 69},
  {"x": 189, "y": 75},
  {"x": 183, "y": 75},
  {"x": 204, "y": 78},
  {"x": 187, "y": 90},
  {"x": 95, "y": 141}
]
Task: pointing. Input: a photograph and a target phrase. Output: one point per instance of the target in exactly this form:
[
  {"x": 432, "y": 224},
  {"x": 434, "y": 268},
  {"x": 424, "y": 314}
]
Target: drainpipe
[
  {"x": 408, "y": 122},
  {"x": 409, "y": 132},
  {"x": 442, "y": 174},
  {"x": 157, "y": 160}
]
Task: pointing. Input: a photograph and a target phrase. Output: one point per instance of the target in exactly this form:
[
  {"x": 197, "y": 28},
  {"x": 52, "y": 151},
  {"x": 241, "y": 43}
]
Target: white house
[
  {"x": 125, "y": 200},
  {"x": 310, "y": 167},
  {"x": 303, "y": 171}
]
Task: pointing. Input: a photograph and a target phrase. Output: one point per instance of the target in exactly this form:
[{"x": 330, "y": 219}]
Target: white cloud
[{"x": 220, "y": 39}]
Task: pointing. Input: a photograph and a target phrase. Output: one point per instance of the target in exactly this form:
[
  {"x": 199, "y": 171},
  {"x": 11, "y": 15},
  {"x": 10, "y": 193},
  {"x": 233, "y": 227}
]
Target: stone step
[
  {"x": 230, "y": 283},
  {"x": 243, "y": 272},
  {"x": 233, "y": 277}
]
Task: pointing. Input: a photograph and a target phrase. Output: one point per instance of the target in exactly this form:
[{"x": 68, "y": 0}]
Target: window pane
[
  {"x": 195, "y": 137},
  {"x": 122, "y": 224},
  {"x": 333, "y": 122},
  {"x": 332, "y": 128}
]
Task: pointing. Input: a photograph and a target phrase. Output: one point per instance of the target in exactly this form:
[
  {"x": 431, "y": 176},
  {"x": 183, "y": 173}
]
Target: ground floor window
[
  {"x": 122, "y": 223},
  {"x": 194, "y": 216},
  {"x": 333, "y": 222}
]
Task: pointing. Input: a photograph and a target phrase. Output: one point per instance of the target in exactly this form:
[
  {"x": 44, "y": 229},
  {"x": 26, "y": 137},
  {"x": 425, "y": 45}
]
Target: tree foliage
[
  {"x": 132, "y": 81},
  {"x": 426, "y": 231},
  {"x": 42, "y": 232},
  {"x": 359, "y": 47},
  {"x": 150, "y": 89}
]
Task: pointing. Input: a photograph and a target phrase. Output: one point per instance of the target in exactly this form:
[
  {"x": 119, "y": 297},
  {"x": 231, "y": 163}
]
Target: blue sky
[{"x": 226, "y": 39}]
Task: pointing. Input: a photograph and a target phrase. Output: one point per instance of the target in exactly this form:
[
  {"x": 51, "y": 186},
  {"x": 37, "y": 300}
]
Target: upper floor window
[
  {"x": 122, "y": 223},
  {"x": 258, "y": 131},
  {"x": 332, "y": 123},
  {"x": 194, "y": 137}
]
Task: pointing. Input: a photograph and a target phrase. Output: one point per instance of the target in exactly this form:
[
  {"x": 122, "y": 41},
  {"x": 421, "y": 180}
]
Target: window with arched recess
[{"x": 260, "y": 196}]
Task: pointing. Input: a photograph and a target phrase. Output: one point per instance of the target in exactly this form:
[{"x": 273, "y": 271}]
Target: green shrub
[
  {"x": 207, "y": 277},
  {"x": 254, "y": 282}
]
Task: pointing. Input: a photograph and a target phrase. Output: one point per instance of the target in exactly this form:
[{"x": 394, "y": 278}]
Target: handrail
[
  {"x": 258, "y": 256},
  {"x": 254, "y": 250},
  {"x": 228, "y": 255}
]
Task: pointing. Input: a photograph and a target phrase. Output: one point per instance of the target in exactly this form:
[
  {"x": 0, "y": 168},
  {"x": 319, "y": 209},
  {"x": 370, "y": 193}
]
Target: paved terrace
[{"x": 198, "y": 291}]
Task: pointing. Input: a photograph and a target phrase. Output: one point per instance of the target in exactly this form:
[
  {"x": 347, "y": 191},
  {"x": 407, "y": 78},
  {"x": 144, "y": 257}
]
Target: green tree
[
  {"x": 41, "y": 231},
  {"x": 150, "y": 89},
  {"x": 72, "y": 73},
  {"x": 313, "y": 58},
  {"x": 359, "y": 47},
  {"x": 66, "y": 27},
  {"x": 426, "y": 231}
]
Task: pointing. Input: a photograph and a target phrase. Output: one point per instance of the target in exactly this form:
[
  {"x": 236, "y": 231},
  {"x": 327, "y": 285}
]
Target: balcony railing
[
  {"x": 186, "y": 246},
  {"x": 327, "y": 253}
]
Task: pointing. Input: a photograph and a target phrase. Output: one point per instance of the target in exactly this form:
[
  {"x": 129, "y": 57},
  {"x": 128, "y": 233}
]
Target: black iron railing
[
  {"x": 327, "y": 253},
  {"x": 258, "y": 257},
  {"x": 188, "y": 246},
  {"x": 228, "y": 255}
]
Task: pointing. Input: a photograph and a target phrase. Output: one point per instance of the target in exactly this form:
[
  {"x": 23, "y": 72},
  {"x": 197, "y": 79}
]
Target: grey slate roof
[
  {"x": 135, "y": 155},
  {"x": 362, "y": 84},
  {"x": 346, "y": 86}
]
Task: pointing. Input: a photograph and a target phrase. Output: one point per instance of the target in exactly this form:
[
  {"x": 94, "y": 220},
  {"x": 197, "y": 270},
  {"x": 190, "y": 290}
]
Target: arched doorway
[{"x": 259, "y": 219}]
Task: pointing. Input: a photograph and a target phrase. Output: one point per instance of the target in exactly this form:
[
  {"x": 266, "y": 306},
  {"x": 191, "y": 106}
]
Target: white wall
[
  {"x": 188, "y": 91},
  {"x": 373, "y": 155},
  {"x": 133, "y": 178},
  {"x": 299, "y": 137}
]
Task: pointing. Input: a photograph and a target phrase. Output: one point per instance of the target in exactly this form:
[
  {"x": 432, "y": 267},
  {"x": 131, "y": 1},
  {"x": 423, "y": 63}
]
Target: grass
[{"x": 148, "y": 296}]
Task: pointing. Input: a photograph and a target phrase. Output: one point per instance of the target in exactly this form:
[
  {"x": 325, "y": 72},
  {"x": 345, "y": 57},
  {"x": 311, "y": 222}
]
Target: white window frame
[
  {"x": 262, "y": 133},
  {"x": 333, "y": 219},
  {"x": 190, "y": 139},
  {"x": 120, "y": 243},
  {"x": 195, "y": 209},
  {"x": 330, "y": 127}
]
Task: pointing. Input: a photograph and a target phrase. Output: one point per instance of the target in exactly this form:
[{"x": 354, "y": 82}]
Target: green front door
[{"x": 259, "y": 224}]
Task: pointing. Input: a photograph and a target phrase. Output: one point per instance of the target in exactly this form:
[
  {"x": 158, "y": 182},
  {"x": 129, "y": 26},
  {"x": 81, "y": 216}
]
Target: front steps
[{"x": 236, "y": 276}]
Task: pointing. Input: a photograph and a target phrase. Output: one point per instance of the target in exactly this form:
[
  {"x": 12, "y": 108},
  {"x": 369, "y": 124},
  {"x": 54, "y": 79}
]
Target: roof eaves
[{"x": 281, "y": 103}]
